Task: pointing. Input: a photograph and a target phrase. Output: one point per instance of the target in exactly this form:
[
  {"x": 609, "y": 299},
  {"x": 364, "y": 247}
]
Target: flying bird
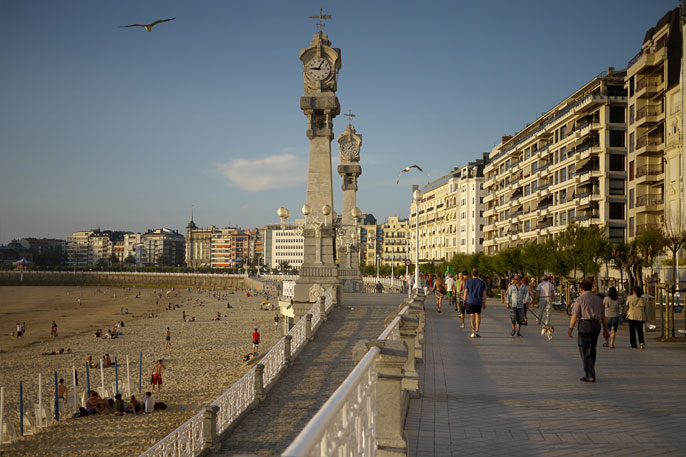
[
  {"x": 405, "y": 170},
  {"x": 148, "y": 27}
]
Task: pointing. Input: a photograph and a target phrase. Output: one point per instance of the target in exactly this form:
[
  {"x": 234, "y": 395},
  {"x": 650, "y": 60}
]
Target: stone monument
[
  {"x": 349, "y": 144},
  {"x": 319, "y": 273}
]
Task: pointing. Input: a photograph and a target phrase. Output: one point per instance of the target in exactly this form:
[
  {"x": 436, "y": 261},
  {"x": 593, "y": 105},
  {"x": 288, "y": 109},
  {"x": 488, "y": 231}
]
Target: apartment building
[
  {"x": 221, "y": 254},
  {"x": 287, "y": 245},
  {"x": 450, "y": 214},
  {"x": 396, "y": 239},
  {"x": 569, "y": 165},
  {"x": 163, "y": 247},
  {"x": 87, "y": 248},
  {"x": 655, "y": 128}
]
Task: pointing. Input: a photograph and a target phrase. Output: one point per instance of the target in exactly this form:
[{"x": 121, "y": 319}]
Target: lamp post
[{"x": 417, "y": 196}]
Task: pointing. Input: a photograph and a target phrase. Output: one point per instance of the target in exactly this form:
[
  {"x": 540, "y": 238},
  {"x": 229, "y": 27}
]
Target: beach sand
[{"x": 205, "y": 358}]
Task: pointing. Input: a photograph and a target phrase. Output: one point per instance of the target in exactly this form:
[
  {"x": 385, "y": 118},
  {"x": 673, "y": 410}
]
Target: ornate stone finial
[{"x": 322, "y": 17}]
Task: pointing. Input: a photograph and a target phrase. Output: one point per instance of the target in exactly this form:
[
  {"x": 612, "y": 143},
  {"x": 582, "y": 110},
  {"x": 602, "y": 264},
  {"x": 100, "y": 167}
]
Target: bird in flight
[
  {"x": 405, "y": 170},
  {"x": 148, "y": 27}
]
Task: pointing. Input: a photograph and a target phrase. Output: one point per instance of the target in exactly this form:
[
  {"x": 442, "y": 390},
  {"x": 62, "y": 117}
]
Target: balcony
[
  {"x": 650, "y": 170},
  {"x": 640, "y": 228},
  {"x": 650, "y": 114},
  {"x": 649, "y": 200},
  {"x": 648, "y": 144},
  {"x": 650, "y": 56}
]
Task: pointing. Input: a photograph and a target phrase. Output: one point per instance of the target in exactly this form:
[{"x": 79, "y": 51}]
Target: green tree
[
  {"x": 571, "y": 241},
  {"x": 535, "y": 258},
  {"x": 594, "y": 247},
  {"x": 130, "y": 260}
]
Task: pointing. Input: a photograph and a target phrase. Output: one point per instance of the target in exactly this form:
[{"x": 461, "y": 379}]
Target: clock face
[
  {"x": 348, "y": 150},
  {"x": 318, "y": 68}
]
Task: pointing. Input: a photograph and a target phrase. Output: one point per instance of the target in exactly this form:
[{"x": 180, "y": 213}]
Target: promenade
[
  {"x": 502, "y": 395},
  {"x": 316, "y": 373}
]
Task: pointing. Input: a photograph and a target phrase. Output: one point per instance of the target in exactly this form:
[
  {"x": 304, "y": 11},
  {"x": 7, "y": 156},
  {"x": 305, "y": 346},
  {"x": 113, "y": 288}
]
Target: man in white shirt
[
  {"x": 546, "y": 293},
  {"x": 450, "y": 288}
]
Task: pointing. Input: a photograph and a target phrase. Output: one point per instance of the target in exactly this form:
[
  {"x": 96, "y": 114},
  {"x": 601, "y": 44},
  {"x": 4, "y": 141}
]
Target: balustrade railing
[
  {"x": 649, "y": 170},
  {"x": 188, "y": 439},
  {"x": 643, "y": 200}
]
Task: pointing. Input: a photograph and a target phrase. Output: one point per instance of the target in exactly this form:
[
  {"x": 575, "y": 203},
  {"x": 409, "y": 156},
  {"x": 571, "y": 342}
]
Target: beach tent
[{"x": 22, "y": 264}]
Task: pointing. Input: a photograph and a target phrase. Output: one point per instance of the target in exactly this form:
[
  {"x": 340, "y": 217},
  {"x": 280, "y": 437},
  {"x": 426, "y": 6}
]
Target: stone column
[
  {"x": 259, "y": 382},
  {"x": 209, "y": 429},
  {"x": 391, "y": 398},
  {"x": 408, "y": 334}
]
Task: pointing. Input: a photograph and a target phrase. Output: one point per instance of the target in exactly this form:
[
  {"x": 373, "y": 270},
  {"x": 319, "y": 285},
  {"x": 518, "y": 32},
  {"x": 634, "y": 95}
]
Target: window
[
  {"x": 617, "y": 233},
  {"x": 631, "y": 198},
  {"x": 616, "y": 187},
  {"x": 632, "y": 142},
  {"x": 570, "y": 171},
  {"x": 632, "y": 114},
  {"x": 570, "y": 214},
  {"x": 617, "y": 138},
  {"x": 617, "y": 114},
  {"x": 617, "y": 162},
  {"x": 616, "y": 210},
  {"x": 631, "y": 94},
  {"x": 563, "y": 175},
  {"x": 631, "y": 172},
  {"x": 527, "y": 226},
  {"x": 563, "y": 218},
  {"x": 563, "y": 132}
]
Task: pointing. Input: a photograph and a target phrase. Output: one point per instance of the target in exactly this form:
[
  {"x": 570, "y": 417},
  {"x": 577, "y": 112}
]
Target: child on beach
[
  {"x": 168, "y": 338},
  {"x": 148, "y": 403}
]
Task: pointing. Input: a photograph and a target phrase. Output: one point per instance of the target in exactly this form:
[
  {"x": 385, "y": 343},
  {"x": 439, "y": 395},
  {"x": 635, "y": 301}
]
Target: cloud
[{"x": 278, "y": 171}]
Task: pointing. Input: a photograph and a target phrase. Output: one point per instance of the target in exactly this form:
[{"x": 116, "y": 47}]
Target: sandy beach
[{"x": 205, "y": 357}]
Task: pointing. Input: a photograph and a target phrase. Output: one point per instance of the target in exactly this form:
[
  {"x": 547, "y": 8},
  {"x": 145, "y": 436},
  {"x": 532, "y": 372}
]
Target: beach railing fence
[
  {"x": 349, "y": 423},
  {"x": 223, "y": 414}
]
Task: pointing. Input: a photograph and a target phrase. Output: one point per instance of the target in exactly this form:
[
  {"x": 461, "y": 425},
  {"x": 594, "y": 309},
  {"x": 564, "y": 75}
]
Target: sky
[{"x": 124, "y": 129}]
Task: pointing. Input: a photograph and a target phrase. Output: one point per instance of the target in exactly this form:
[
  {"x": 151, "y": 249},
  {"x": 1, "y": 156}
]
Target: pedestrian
[
  {"x": 475, "y": 299},
  {"x": 461, "y": 306},
  {"x": 439, "y": 291},
  {"x": 546, "y": 293},
  {"x": 516, "y": 298},
  {"x": 255, "y": 341},
  {"x": 157, "y": 375},
  {"x": 636, "y": 315},
  {"x": 503, "y": 288},
  {"x": 588, "y": 311},
  {"x": 527, "y": 284},
  {"x": 612, "y": 305},
  {"x": 168, "y": 338},
  {"x": 276, "y": 321},
  {"x": 450, "y": 290},
  {"x": 53, "y": 329},
  {"x": 19, "y": 331}
]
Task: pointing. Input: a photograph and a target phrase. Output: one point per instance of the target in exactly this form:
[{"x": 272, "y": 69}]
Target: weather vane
[
  {"x": 350, "y": 116},
  {"x": 322, "y": 17}
]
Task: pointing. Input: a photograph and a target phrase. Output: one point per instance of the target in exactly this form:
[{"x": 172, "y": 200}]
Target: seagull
[
  {"x": 148, "y": 27},
  {"x": 405, "y": 170}
]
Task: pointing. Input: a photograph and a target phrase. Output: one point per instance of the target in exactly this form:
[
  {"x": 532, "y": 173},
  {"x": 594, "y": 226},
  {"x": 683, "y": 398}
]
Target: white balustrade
[
  {"x": 185, "y": 441},
  {"x": 274, "y": 362},
  {"x": 344, "y": 426}
]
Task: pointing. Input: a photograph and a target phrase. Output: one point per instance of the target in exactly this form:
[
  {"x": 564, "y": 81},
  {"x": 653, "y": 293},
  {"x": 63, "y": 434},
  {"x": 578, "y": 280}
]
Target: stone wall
[{"x": 110, "y": 278}]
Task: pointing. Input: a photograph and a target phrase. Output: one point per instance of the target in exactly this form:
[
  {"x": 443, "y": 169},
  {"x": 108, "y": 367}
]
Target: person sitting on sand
[
  {"x": 134, "y": 406},
  {"x": 90, "y": 362},
  {"x": 98, "y": 333},
  {"x": 217, "y": 317},
  {"x": 95, "y": 404},
  {"x": 108, "y": 335},
  {"x": 118, "y": 405},
  {"x": 148, "y": 403},
  {"x": 106, "y": 361}
]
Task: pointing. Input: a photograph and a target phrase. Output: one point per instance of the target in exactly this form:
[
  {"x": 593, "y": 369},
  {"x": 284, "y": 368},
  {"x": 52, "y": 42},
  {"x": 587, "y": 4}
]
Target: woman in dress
[{"x": 440, "y": 291}]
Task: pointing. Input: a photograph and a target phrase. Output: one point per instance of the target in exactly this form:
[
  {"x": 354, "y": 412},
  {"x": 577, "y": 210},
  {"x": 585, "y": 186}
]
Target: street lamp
[{"x": 417, "y": 196}]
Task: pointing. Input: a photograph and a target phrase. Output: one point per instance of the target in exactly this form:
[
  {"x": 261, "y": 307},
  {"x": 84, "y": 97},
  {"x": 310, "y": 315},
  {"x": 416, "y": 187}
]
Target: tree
[
  {"x": 535, "y": 258},
  {"x": 673, "y": 239},
  {"x": 595, "y": 246},
  {"x": 130, "y": 260},
  {"x": 571, "y": 241},
  {"x": 114, "y": 260},
  {"x": 650, "y": 243}
]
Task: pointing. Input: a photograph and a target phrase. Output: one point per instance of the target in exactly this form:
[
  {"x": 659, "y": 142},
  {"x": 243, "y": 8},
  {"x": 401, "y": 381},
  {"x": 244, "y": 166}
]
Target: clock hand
[{"x": 320, "y": 64}]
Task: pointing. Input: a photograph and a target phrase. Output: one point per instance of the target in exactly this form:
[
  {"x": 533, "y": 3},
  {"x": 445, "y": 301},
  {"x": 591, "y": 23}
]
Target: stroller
[{"x": 546, "y": 330}]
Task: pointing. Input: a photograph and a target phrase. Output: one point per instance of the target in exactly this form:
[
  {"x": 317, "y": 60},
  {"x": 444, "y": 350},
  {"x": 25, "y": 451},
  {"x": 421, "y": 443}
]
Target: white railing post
[
  {"x": 308, "y": 327},
  {"x": 209, "y": 429},
  {"x": 287, "y": 349},
  {"x": 259, "y": 382}
]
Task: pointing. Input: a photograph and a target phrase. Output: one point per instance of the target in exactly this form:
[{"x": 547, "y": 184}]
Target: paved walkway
[
  {"x": 501, "y": 395},
  {"x": 317, "y": 372}
]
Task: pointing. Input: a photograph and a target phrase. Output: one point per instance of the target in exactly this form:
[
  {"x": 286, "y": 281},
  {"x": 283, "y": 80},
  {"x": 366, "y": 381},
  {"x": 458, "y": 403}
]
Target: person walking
[
  {"x": 460, "y": 293},
  {"x": 636, "y": 315},
  {"x": 475, "y": 298},
  {"x": 546, "y": 293},
  {"x": 440, "y": 292},
  {"x": 450, "y": 289},
  {"x": 167, "y": 338},
  {"x": 588, "y": 311},
  {"x": 157, "y": 375},
  {"x": 612, "y": 305},
  {"x": 516, "y": 299}
]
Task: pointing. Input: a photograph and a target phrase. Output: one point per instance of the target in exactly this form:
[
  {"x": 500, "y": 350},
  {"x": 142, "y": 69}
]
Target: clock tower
[
  {"x": 349, "y": 144},
  {"x": 319, "y": 273}
]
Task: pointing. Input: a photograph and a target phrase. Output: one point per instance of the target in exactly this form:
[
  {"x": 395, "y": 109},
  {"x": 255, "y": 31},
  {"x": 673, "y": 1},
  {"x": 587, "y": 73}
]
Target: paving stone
[{"x": 521, "y": 396}]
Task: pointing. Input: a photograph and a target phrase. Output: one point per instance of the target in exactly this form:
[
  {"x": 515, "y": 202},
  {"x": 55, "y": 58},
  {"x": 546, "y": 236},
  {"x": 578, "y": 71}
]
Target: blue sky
[{"x": 126, "y": 130}]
